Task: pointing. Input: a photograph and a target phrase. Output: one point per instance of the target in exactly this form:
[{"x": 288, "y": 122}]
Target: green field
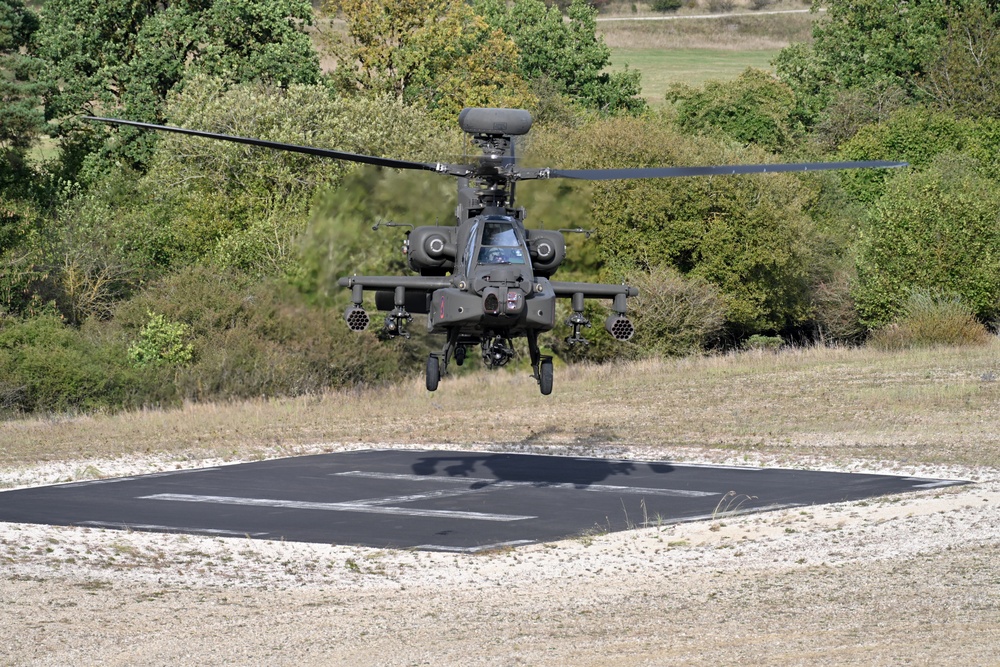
[{"x": 661, "y": 67}]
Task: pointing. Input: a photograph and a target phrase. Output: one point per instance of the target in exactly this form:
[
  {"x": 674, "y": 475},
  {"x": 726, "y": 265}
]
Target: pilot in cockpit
[{"x": 500, "y": 245}]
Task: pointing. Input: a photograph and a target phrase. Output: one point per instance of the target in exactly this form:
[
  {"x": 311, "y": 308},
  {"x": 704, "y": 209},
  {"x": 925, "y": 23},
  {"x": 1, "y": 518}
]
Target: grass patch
[
  {"x": 737, "y": 32},
  {"x": 693, "y": 51},
  {"x": 934, "y": 406},
  {"x": 693, "y": 66}
]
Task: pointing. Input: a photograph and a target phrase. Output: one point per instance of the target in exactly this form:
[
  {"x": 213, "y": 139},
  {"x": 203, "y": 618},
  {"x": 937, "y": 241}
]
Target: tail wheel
[
  {"x": 433, "y": 372},
  {"x": 545, "y": 376}
]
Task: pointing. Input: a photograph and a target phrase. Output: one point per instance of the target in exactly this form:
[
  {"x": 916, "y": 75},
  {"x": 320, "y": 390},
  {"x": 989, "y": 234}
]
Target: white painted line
[
  {"x": 389, "y": 500},
  {"x": 489, "y": 483},
  {"x": 113, "y": 480},
  {"x": 169, "y": 529},
  {"x": 335, "y": 507},
  {"x": 932, "y": 483},
  {"x": 472, "y": 550}
]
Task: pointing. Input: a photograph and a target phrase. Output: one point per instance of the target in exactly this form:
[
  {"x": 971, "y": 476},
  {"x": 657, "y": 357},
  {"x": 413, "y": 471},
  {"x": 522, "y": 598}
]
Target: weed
[{"x": 730, "y": 504}]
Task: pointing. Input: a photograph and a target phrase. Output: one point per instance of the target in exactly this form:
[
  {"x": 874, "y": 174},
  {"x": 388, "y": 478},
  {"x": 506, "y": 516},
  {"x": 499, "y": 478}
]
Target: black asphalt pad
[{"x": 435, "y": 500}]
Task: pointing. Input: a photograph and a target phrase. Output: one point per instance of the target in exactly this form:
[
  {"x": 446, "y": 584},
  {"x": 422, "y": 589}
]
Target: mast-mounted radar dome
[{"x": 509, "y": 122}]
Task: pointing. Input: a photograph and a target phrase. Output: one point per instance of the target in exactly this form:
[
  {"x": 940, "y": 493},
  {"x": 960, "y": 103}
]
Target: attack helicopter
[{"x": 487, "y": 280}]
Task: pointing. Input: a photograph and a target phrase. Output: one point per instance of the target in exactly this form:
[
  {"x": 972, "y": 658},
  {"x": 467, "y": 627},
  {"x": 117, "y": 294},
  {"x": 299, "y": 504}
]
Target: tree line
[{"x": 138, "y": 269}]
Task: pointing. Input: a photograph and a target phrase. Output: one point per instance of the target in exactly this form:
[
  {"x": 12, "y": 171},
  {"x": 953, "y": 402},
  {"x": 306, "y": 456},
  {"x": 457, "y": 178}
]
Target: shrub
[
  {"x": 750, "y": 235},
  {"x": 763, "y": 343},
  {"x": 667, "y": 5},
  {"x": 754, "y": 108},
  {"x": 254, "y": 338},
  {"x": 835, "y": 313},
  {"x": 46, "y": 366},
  {"x": 930, "y": 319},
  {"x": 933, "y": 230},
  {"x": 161, "y": 342},
  {"x": 674, "y": 315}
]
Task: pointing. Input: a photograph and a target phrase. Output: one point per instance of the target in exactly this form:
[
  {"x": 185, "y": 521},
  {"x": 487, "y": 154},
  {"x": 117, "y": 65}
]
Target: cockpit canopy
[{"x": 501, "y": 243}]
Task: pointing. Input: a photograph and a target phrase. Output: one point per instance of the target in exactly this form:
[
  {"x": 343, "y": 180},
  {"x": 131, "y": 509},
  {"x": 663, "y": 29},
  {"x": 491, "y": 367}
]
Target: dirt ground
[{"x": 902, "y": 580}]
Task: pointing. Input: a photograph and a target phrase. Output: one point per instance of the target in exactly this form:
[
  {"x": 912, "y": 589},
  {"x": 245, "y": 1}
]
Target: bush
[
  {"x": 161, "y": 342},
  {"x": 936, "y": 230},
  {"x": 750, "y": 236},
  {"x": 761, "y": 343},
  {"x": 754, "y": 108},
  {"x": 46, "y": 366},
  {"x": 674, "y": 315},
  {"x": 667, "y": 5},
  {"x": 835, "y": 313},
  {"x": 253, "y": 338},
  {"x": 930, "y": 319}
]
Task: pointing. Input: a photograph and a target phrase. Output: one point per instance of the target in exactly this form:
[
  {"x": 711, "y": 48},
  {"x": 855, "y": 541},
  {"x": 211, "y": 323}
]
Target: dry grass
[
  {"x": 738, "y": 32},
  {"x": 934, "y": 406}
]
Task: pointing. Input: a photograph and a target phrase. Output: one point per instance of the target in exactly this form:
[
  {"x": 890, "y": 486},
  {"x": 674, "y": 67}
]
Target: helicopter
[{"x": 487, "y": 280}]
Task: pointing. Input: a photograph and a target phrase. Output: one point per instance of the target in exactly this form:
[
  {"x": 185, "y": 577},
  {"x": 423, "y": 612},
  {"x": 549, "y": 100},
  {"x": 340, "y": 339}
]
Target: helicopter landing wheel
[
  {"x": 460, "y": 355},
  {"x": 545, "y": 376},
  {"x": 433, "y": 372}
]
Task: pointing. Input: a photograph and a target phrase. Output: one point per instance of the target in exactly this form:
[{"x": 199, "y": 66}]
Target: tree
[
  {"x": 750, "y": 236},
  {"x": 862, "y": 44},
  {"x": 961, "y": 78},
  {"x": 21, "y": 120},
  {"x": 913, "y": 134},
  {"x": 437, "y": 53},
  {"x": 936, "y": 230},
  {"x": 755, "y": 108},
  {"x": 123, "y": 56},
  {"x": 239, "y": 206},
  {"x": 567, "y": 52}
]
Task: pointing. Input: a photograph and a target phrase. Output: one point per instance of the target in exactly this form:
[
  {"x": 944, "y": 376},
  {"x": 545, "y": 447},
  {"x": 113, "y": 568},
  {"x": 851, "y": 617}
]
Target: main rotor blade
[
  {"x": 294, "y": 148},
  {"x": 719, "y": 170}
]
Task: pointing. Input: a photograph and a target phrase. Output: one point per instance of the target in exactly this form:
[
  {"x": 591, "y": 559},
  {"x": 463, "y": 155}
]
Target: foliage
[
  {"x": 569, "y": 53},
  {"x": 674, "y": 315},
  {"x": 46, "y": 366},
  {"x": 932, "y": 230},
  {"x": 244, "y": 207},
  {"x": 253, "y": 338},
  {"x": 748, "y": 235},
  {"x": 755, "y": 108},
  {"x": 23, "y": 275},
  {"x": 931, "y": 318},
  {"x": 666, "y": 5},
  {"x": 862, "y": 44},
  {"x": 851, "y": 110},
  {"x": 913, "y": 134},
  {"x": 961, "y": 78},
  {"x": 21, "y": 120},
  {"x": 161, "y": 342},
  {"x": 438, "y": 53},
  {"x": 124, "y": 57}
]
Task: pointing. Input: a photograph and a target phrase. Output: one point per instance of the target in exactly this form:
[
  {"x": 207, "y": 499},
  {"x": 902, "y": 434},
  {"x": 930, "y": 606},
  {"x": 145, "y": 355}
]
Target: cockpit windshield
[{"x": 500, "y": 245}]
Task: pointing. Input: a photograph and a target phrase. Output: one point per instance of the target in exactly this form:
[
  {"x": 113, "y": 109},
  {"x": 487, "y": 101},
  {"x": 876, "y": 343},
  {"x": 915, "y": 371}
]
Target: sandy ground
[{"x": 903, "y": 580}]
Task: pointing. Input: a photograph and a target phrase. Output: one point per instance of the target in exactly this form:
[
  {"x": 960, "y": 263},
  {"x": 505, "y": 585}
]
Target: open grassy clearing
[
  {"x": 693, "y": 66},
  {"x": 736, "y": 32},
  {"x": 693, "y": 51},
  {"x": 933, "y": 406}
]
